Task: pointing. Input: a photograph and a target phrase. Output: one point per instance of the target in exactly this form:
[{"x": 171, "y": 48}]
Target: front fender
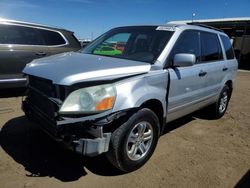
[{"x": 135, "y": 91}]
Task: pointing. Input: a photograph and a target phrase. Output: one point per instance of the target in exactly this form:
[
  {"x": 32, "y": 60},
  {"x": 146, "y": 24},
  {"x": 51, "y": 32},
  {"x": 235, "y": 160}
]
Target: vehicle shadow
[
  {"x": 205, "y": 113},
  {"x": 244, "y": 182},
  {"x": 12, "y": 92},
  {"x": 177, "y": 123},
  {"x": 42, "y": 156}
]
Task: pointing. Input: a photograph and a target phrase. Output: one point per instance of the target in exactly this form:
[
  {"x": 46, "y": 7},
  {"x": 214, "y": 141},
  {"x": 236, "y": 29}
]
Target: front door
[{"x": 187, "y": 83}]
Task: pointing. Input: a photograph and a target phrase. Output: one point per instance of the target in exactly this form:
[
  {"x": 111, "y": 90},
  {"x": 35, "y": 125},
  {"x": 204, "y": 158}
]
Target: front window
[
  {"x": 141, "y": 43},
  {"x": 187, "y": 43}
]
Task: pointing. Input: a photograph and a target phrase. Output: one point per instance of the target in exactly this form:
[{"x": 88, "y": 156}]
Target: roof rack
[{"x": 204, "y": 25}]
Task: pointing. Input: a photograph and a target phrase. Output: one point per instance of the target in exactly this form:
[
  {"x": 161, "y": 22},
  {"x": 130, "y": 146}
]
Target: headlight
[{"x": 90, "y": 99}]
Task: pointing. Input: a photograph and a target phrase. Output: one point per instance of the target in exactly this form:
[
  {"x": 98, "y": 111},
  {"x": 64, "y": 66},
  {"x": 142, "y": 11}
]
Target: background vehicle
[
  {"x": 84, "y": 42},
  {"x": 22, "y": 42},
  {"x": 120, "y": 103},
  {"x": 106, "y": 50}
]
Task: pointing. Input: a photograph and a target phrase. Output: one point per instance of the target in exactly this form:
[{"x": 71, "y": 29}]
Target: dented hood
[{"x": 73, "y": 67}]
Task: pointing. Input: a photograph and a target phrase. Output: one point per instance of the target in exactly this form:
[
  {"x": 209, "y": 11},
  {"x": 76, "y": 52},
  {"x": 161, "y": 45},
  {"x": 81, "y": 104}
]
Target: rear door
[
  {"x": 187, "y": 83},
  {"x": 214, "y": 64},
  {"x": 18, "y": 46}
]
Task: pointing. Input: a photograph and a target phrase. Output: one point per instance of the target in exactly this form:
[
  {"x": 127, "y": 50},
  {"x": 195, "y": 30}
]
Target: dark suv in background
[{"x": 21, "y": 42}]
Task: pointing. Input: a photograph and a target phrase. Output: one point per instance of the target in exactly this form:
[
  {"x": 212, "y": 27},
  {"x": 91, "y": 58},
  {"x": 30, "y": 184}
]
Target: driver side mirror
[{"x": 184, "y": 60}]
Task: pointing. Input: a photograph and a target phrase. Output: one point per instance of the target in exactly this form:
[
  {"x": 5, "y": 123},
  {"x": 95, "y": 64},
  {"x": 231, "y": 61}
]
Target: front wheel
[{"x": 133, "y": 143}]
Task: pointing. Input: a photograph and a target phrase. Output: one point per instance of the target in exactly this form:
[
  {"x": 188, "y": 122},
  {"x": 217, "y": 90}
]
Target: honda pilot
[{"x": 97, "y": 101}]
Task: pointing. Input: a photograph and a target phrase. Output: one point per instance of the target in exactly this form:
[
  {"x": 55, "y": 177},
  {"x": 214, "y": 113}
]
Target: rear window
[
  {"x": 210, "y": 47},
  {"x": 227, "y": 46},
  {"x": 51, "y": 38},
  {"x": 13, "y": 34}
]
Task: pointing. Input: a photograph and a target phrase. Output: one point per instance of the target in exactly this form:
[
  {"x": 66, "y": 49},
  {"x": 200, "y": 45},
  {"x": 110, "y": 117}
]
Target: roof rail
[
  {"x": 204, "y": 25},
  {"x": 32, "y": 24}
]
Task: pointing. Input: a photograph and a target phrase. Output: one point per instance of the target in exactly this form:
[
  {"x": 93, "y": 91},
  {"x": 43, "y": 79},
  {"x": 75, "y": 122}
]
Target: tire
[
  {"x": 220, "y": 107},
  {"x": 133, "y": 143}
]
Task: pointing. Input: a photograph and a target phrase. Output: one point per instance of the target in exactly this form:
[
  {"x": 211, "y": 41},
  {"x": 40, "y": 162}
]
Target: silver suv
[{"x": 117, "y": 94}]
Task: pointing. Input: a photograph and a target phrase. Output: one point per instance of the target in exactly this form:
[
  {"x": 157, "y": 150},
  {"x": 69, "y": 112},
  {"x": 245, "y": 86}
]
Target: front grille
[
  {"x": 43, "y": 85},
  {"x": 40, "y": 91},
  {"x": 42, "y": 103}
]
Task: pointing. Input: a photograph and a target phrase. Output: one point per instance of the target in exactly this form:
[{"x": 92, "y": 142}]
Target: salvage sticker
[{"x": 165, "y": 28}]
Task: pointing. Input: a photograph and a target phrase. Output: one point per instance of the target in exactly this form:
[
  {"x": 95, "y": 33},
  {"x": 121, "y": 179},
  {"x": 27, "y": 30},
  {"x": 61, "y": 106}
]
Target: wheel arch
[
  {"x": 157, "y": 107},
  {"x": 229, "y": 83}
]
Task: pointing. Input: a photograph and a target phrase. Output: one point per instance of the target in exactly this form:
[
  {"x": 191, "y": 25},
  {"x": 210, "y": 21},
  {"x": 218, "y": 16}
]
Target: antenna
[
  {"x": 193, "y": 15},
  {"x": 92, "y": 35}
]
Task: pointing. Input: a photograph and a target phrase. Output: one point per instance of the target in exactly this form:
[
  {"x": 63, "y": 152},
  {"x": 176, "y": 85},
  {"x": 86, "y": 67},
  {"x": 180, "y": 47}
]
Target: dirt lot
[{"x": 193, "y": 152}]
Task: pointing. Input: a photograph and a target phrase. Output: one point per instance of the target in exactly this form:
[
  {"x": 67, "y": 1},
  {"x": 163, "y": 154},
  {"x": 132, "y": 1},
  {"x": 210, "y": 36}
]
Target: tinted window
[
  {"x": 228, "y": 47},
  {"x": 188, "y": 43},
  {"x": 12, "y": 34},
  {"x": 210, "y": 47},
  {"x": 51, "y": 37}
]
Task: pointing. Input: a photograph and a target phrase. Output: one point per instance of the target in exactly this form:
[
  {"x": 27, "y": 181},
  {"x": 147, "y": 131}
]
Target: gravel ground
[{"x": 193, "y": 152}]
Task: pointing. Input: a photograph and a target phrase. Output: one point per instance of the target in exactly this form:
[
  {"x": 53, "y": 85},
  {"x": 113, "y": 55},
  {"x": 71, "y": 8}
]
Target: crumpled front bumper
[{"x": 78, "y": 134}]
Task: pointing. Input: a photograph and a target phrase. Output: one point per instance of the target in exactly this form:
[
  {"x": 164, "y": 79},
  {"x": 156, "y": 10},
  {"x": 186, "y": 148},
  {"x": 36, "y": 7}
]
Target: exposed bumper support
[
  {"x": 83, "y": 135},
  {"x": 96, "y": 143},
  {"x": 93, "y": 147}
]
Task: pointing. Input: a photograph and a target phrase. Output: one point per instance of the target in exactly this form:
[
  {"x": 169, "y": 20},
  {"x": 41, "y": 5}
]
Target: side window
[
  {"x": 210, "y": 47},
  {"x": 51, "y": 38},
  {"x": 227, "y": 46},
  {"x": 13, "y": 34},
  {"x": 188, "y": 42}
]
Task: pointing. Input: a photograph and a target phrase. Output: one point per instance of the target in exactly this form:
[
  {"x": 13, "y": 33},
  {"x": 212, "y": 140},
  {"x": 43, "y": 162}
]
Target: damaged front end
[{"x": 87, "y": 134}]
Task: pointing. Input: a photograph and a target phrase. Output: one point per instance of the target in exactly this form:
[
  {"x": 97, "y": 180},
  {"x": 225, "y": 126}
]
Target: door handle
[
  {"x": 202, "y": 73},
  {"x": 41, "y": 54},
  {"x": 225, "y": 69}
]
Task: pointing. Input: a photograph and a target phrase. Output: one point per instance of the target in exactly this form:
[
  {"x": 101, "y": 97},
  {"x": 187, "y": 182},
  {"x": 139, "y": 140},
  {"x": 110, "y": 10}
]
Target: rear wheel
[
  {"x": 133, "y": 143},
  {"x": 220, "y": 107}
]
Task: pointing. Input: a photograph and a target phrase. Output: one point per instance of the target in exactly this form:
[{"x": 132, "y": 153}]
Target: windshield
[{"x": 139, "y": 43}]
